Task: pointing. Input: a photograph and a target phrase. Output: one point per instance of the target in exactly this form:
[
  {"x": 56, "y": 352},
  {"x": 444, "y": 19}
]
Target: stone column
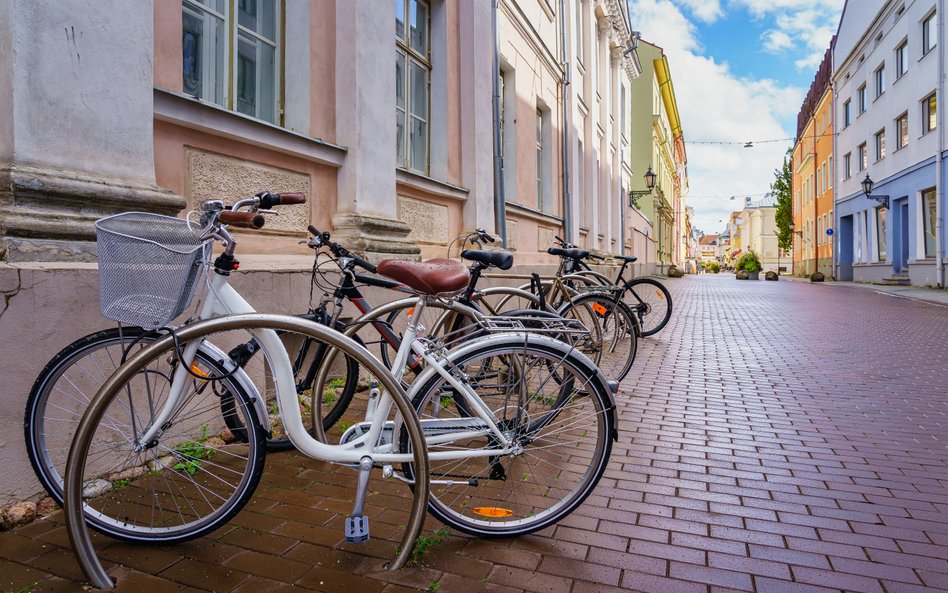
[
  {"x": 76, "y": 115},
  {"x": 367, "y": 216},
  {"x": 477, "y": 121}
]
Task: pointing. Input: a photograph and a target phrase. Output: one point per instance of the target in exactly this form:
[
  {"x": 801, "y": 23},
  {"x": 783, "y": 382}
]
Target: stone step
[{"x": 897, "y": 280}]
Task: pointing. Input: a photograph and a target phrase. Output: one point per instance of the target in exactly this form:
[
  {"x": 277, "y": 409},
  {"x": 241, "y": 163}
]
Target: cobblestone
[{"x": 776, "y": 436}]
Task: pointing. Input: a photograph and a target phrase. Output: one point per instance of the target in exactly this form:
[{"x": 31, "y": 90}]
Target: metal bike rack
[{"x": 75, "y": 517}]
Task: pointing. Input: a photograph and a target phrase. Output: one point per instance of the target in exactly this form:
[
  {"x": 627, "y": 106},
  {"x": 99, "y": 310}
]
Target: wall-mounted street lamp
[
  {"x": 867, "y": 184},
  {"x": 650, "y": 178}
]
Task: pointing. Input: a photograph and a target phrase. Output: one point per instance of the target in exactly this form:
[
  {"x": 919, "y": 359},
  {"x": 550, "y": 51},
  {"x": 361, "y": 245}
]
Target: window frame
[
  {"x": 929, "y": 26},
  {"x": 863, "y": 156},
  {"x": 847, "y": 113},
  {"x": 862, "y": 102},
  {"x": 928, "y": 224},
  {"x": 229, "y": 70},
  {"x": 878, "y": 77},
  {"x": 882, "y": 247},
  {"x": 847, "y": 165},
  {"x": 901, "y": 131},
  {"x": 403, "y": 48},
  {"x": 929, "y": 113},
  {"x": 879, "y": 144},
  {"x": 901, "y": 59}
]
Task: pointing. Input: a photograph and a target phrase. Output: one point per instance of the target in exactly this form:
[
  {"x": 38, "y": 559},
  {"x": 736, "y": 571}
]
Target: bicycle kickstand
[{"x": 357, "y": 526}]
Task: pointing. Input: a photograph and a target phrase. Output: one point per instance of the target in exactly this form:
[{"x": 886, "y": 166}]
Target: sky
[{"x": 741, "y": 69}]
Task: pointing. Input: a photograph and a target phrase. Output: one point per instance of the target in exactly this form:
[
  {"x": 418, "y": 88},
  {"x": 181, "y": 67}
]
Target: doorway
[{"x": 845, "y": 242}]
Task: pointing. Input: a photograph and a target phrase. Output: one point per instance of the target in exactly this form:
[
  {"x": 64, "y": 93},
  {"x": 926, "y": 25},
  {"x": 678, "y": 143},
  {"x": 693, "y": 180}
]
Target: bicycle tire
[
  {"x": 487, "y": 498},
  {"x": 613, "y": 339},
  {"x": 133, "y": 476},
  {"x": 655, "y": 299}
]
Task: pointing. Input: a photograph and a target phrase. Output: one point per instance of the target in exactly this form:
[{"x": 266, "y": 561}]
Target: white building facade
[{"x": 888, "y": 112}]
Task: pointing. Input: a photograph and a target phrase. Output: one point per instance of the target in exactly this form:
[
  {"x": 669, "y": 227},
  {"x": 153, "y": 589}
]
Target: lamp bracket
[{"x": 883, "y": 200}]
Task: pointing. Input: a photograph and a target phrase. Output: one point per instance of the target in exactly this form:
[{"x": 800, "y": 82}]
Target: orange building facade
[{"x": 813, "y": 178}]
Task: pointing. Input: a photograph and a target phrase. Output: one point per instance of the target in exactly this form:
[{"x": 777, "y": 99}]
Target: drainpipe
[
  {"x": 500, "y": 209},
  {"x": 939, "y": 159},
  {"x": 835, "y": 260},
  {"x": 564, "y": 86},
  {"x": 816, "y": 200}
]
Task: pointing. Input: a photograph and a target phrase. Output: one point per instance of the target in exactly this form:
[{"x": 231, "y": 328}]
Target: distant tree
[{"x": 782, "y": 189}]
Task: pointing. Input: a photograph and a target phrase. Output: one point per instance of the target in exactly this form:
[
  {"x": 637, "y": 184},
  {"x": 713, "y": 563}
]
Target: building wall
[
  {"x": 871, "y": 39},
  {"x": 813, "y": 191}
]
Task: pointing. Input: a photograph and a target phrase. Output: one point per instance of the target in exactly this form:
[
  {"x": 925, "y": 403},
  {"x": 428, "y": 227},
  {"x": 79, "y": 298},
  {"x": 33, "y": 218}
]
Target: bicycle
[
  {"x": 647, "y": 297},
  {"x": 153, "y": 459}
]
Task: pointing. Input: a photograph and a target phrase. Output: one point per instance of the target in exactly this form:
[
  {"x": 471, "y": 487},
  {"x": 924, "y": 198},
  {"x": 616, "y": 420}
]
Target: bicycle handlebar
[
  {"x": 247, "y": 220},
  {"x": 268, "y": 200},
  {"x": 321, "y": 238}
]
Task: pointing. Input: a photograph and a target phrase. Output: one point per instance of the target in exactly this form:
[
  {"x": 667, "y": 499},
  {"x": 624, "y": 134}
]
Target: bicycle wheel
[
  {"x": 651, "y": 302},
  {"x": 612, "y": 342},
  {"x": 64, "y": 388},
  {"x": 194, "y": 476},
  {"x": 548, "y": 400}
]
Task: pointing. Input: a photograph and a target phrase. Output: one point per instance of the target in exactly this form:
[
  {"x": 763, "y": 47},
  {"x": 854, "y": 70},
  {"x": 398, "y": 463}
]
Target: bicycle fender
[{"x": 259, "y": 406}]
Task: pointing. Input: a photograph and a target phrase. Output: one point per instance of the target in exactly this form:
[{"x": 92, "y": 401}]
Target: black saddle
[
  {"x": 569, "y": 253},
  {"x": 498, "y": 259},
  {"x": 626, "y": 258}
]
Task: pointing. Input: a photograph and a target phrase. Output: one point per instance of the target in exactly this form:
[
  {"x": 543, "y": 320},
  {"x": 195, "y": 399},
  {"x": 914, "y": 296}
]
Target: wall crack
[{"x": 9, "y": 294}]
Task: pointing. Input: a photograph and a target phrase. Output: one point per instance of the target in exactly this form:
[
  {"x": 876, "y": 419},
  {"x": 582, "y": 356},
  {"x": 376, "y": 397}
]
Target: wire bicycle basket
[{"x": 149, "y": 267}]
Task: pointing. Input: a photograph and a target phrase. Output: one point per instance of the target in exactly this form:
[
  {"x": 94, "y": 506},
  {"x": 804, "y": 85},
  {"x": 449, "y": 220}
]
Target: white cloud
[
  {"x": 806, "y": 24},
  {"x": 716, "y": 104},
  {"x": 776, "y": 41},
  {"x": 704, "y": 10}
]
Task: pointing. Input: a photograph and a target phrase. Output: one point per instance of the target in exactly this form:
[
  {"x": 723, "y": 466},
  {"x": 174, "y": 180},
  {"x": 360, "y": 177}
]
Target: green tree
[{"x": 782, "y": 189}]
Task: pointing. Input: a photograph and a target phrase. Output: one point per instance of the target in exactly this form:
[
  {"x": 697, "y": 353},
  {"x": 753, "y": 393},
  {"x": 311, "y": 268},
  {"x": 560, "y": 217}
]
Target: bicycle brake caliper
[{"x": 357, "y": 526}]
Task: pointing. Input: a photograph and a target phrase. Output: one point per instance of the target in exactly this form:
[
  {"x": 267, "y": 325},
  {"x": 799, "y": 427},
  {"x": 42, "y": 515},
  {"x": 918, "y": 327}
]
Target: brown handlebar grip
[
  {"x": 290, "y": 199},
  {"x": 248, "y": 220}
]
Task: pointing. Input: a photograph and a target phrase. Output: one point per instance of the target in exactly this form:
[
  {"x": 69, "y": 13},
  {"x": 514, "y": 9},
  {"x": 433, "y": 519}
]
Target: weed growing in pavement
[
  {"x": 25, "y": 589},
  {"x": 425, "y": 543},
  {"x": 434, "y": 587},
  {"x": 192, "y": 453}
]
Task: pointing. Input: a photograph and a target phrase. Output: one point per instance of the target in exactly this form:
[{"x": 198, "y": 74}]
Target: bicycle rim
[{"x": 612, "y": 340}]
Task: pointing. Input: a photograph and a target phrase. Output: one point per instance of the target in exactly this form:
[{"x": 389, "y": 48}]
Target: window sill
[
  {"x": 928, "y": 53},
  {"x": 430, "y": 185},
  {"x": 927, "y": 133},
  {"x": 533, "y": 214},
  {"x": 188, "y": 112}
]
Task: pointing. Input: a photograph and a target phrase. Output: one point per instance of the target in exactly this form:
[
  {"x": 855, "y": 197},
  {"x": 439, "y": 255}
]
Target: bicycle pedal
[{"x": 357, "y": 529}]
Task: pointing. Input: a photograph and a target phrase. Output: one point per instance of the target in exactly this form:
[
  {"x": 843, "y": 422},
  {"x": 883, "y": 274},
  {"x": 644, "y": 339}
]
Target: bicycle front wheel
[
  {"x": 555, "y": 411},
  {"x": 651, "y": 302},
  {"x": 192, "y": 477}
]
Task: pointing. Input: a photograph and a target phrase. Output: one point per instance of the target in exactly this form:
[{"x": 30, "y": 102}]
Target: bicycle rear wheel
[
  {"x": 651, "y": 302},
  {"x": 553, "y": 406}
]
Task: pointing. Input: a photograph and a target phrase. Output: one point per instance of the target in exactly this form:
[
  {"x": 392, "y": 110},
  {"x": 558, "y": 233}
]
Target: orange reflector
[
  {"x": 493, "y": 512},
  {"x": 410, "y": 312},
  {"x": 660, "y": 295},
  {"x": 599, "y": 309},
  {"x": 197, "y": 371}
]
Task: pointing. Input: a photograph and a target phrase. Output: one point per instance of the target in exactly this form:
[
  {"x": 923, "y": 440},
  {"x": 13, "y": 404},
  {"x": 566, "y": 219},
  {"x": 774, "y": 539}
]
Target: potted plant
[
  {"x": 750, "y": 263},
  {"x": 714, "y": 267}
]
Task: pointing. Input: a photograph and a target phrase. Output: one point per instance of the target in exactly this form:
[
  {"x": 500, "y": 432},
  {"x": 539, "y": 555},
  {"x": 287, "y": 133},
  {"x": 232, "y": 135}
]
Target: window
[
  {"x": 819, "y": 231},
  {"x": 863, "y": 157},
  {"x": 540, "y": 176},
  {"x": 830, "y": 172},
  {"x": 847, "y": 165},
  {"x": 901, "y": 59},
  {"x": 901, "y": 131},
  {"x": 212, "y": 38},
  {"x": 880, "y": 81},
  {"x": 580, "y": 30},
  {"x": 847, "y": 113},
  {"x": 508, "y": 131},
  {"x": 623, "y": 131},
  {"x": 880, "y": 232},
  {"x": 861, "y": 98},
  {"x": 929, "y": 113},
  {"x": 928, "y": 221},
  {"x": 581, "y": 183},
  {"x": 880, "y": 144},
  {"x": 412, "y": 93},
  {"x": 929, "y": 34}
]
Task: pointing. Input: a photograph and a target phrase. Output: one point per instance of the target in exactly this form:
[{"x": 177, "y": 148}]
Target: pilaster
[{"x": 75, "y": 124}]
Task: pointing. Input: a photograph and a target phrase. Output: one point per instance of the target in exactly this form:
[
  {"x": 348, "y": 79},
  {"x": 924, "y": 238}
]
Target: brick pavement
[{"x": 776, "y": 437}]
